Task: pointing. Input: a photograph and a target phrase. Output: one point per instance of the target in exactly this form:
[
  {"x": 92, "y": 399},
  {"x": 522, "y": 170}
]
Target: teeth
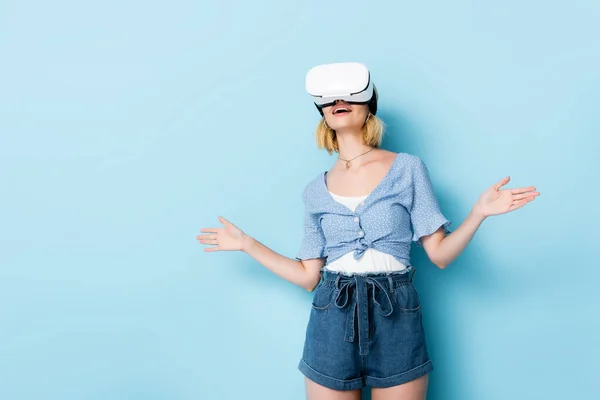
[{"x": 341, "y": 109}]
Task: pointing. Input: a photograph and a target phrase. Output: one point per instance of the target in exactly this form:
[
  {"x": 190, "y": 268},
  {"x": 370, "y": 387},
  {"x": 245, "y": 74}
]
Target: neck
[{"x": 351, "y": 143}]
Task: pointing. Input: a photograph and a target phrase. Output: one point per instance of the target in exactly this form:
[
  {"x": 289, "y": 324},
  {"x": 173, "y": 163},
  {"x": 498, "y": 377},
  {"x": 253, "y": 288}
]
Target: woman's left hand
[{"x": 496, "y": 201}]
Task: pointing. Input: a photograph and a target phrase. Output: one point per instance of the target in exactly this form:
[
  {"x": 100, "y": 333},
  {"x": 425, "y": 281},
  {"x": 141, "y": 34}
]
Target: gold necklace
[{"x": 349, "y": 162}]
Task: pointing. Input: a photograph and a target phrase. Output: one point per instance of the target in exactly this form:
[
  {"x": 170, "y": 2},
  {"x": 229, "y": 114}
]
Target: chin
[
  {"x": 346, "y": 127},
  {"x": 345, "y": 123}
]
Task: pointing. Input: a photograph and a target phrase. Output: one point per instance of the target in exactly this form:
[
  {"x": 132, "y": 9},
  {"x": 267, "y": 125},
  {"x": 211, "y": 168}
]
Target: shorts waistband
[{"x": 405, "y": 275}]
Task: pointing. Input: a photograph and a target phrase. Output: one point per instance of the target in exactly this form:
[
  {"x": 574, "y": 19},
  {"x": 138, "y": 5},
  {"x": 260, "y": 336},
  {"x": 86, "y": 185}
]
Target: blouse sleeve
[
  {"x": 313, "y": 242},
  {"x": 425, "y": 214}
]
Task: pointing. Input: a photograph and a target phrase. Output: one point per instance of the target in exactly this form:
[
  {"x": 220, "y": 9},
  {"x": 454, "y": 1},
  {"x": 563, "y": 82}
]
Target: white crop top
[{"x": 372, "y": 260}]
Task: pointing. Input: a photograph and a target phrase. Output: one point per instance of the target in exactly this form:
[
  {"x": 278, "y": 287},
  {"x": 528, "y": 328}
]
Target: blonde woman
[{"x": 361, "y": 216}]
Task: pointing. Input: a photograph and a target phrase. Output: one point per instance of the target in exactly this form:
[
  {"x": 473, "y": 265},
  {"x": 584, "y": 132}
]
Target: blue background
[{"x": 126, "y": 127}]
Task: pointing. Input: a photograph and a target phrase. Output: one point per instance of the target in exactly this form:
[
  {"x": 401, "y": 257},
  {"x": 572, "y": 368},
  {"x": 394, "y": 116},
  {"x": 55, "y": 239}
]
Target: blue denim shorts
[{"x": 365, "y": 330}]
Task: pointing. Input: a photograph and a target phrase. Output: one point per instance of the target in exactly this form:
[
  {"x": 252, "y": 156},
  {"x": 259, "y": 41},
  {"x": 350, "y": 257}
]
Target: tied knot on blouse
[
  {"x": 363, "y": 245},
  {"x": 400, "y": 210}
]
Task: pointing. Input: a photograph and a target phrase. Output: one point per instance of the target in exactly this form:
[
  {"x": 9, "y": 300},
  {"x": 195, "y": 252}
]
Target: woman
[{"x": 365, "y": 326}]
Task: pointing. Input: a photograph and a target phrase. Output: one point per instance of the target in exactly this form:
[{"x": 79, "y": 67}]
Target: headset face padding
[
  {"x": 372, "y": 103},
  {"x": 350, "y": 82}
]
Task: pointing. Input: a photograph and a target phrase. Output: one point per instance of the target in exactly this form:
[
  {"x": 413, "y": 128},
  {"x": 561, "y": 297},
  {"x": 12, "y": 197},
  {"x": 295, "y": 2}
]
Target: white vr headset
[{"x": 350, "y": 82}]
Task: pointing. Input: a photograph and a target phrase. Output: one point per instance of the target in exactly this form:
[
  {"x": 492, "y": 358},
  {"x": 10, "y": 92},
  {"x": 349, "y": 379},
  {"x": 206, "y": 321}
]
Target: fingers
[
  {"x": 522, "y": 190},
  {"x": 502, "y": 182},
  {"x": 520, "y": 203},
  {"x": 226, "y": 223},
  {"x": 216, "y": 230},
  {"x": 208, "y": 238},
  {"x": 517, "y": 204},
  {"x": 525, "y": 195}
]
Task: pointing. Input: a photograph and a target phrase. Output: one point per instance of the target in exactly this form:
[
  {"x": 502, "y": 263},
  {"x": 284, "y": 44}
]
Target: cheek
[
  {"x": 363, "y": 112},
  {"x": 358, "y": 117}
]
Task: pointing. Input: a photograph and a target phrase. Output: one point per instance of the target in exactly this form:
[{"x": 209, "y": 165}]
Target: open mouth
[{"x": 341, "y": 111}]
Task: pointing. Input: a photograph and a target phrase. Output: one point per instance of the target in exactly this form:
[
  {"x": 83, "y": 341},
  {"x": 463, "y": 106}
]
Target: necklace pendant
[{"x": 348, "y": 164}]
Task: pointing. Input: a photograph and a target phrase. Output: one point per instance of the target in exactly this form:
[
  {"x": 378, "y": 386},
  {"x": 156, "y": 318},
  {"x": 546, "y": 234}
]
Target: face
[{"x": 344, "y": 116}]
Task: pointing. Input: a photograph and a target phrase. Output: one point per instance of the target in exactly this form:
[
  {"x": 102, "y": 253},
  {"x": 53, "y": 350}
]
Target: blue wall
[{"x": 127, "y": 127}]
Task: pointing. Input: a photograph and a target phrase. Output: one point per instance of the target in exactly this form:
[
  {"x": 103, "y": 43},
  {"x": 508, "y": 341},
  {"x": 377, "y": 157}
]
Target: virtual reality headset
[{"x": 350, "y": 82}]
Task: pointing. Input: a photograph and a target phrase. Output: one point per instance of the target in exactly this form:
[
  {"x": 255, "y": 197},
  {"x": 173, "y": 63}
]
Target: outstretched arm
[
  {"x": 442, "y": 249},
  {"x": 303, "y": 273}
]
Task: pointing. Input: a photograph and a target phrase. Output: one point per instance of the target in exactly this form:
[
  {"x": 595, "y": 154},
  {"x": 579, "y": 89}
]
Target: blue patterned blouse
[{"x": 401, "y": 209}]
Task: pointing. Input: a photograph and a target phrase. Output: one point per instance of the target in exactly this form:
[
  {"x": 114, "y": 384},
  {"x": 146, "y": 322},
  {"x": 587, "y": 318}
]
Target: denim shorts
[{"x": 365, "y": 330}]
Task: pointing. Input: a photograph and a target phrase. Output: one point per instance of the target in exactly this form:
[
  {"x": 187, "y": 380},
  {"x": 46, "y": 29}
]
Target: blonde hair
[{"x": 372, "y": 134}]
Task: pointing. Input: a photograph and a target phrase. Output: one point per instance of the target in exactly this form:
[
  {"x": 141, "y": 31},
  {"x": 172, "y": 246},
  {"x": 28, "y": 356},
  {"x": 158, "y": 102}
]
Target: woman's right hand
[{"x": 230, "y": 237}]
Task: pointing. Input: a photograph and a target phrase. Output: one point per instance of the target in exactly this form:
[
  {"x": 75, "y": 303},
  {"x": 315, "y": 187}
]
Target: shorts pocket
[
  {"x": 406, "y": 298},
  {"x": 323, "y": 297}
]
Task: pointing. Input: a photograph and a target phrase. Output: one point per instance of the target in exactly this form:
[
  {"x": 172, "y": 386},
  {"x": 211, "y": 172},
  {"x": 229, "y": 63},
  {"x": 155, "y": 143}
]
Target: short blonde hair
[{"x": 372, "y": 134}]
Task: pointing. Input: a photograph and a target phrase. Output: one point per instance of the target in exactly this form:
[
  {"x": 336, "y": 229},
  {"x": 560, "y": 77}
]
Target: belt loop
[
  {"x": 412, "y": 273},
  {"x": 391, "y": 283}
]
